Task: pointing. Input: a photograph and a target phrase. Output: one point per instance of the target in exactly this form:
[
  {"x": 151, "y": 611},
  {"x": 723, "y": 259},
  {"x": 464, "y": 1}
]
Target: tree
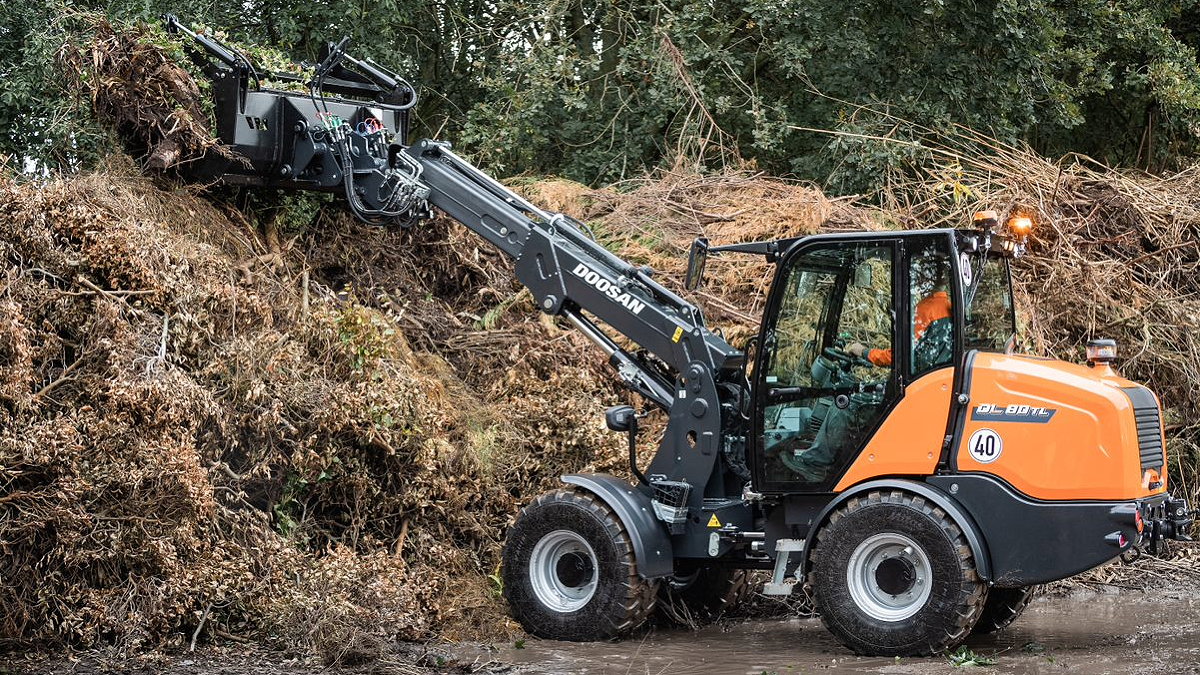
[{"x": 598, "y": 90}]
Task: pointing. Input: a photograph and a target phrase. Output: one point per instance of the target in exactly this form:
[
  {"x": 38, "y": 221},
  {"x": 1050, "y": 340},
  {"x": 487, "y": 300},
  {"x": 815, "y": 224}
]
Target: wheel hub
[
  {"x": 563, "y": 571},
  {"x": 896, "y": 575},
  {"x": 574, "y": 569},
  {"x": 889, "y": 577}
]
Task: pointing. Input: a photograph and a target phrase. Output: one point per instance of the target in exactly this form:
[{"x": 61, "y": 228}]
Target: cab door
[{"x": 816, "y": 404}]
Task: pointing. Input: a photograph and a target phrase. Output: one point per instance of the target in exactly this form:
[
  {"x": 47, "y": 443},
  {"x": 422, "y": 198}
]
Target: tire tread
[
  {"x": 972, "y": 593},
  {"x": 1003, "y": 606}
]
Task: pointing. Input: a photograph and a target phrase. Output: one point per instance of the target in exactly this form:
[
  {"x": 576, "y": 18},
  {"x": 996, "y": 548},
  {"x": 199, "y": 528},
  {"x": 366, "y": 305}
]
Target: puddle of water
[{"x": 1087, "y": 633}]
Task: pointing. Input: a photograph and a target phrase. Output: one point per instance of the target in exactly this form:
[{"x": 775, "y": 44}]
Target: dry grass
[{"x": 1179, "y": 567}]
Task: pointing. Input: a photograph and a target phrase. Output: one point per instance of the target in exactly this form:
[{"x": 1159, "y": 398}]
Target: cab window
[
  {"x": 930, "y": 307},
  {"x": 990, "y": 321},
  {"x": 820, "y": 401}
]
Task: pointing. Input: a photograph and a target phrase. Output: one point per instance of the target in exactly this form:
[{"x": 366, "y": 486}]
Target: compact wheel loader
[{"x": 881, "y": 443}]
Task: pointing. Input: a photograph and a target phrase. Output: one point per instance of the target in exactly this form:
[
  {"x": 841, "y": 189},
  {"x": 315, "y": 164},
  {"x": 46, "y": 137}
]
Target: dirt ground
[
  {"x": 1087, "y": 631},
  {"x": 241, "y": 659}
]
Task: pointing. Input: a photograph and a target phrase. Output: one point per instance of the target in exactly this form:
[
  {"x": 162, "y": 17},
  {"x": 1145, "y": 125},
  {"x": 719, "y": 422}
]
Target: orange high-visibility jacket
[{"x": 932, "y": 308}]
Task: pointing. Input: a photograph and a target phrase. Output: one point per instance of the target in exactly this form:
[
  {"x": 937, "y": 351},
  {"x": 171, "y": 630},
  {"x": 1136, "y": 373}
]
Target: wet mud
[{"x": 1083, "y": 633}]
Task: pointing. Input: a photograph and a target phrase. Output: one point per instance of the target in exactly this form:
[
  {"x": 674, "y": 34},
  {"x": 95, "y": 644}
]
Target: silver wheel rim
[
  {"x": 889, "y": 577},
  {"x": 563, "y": 571}
]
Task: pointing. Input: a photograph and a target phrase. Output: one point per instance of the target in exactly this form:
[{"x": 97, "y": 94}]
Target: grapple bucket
[{"x": 342, "y": 130}]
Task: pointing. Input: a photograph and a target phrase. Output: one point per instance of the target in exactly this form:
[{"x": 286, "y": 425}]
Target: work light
[
  {"x": 1020, "y": 226},
  {"x": 1101, "y": 352}
]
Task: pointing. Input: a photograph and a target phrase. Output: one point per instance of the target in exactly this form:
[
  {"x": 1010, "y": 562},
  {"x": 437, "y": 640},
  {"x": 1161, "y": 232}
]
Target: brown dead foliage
[
  {"x": 652, "y": 221},
  {"x": 191, "y": 443},
  {"x": 141, "y": 92}
]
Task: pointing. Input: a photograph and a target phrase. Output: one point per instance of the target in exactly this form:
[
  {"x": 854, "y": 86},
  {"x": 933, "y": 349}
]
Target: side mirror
[
  {"x": 697, "y": 257},
  {"x": 619, "y": 417}
]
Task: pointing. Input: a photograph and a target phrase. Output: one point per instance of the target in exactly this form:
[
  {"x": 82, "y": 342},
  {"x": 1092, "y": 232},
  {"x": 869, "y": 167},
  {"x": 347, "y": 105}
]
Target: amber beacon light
[
  {"x": 1101, "y": 352},
  {"x": 1020, "y": 226},
  {"x": 985, "y": 220}
]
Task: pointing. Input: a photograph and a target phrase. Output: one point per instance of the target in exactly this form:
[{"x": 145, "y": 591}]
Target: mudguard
[
  {"x": 651, "y": 543},
  {"x": 983, "y": 561}
]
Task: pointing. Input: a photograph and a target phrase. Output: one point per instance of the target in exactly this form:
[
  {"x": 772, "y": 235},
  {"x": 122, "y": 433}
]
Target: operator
[
  {"x": 934, "y": 307},
  {"x": 933, "y": 347}
]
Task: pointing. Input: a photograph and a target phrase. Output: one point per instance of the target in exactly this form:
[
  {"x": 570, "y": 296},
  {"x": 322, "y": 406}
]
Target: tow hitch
[{"x": 1169, "y": 519}]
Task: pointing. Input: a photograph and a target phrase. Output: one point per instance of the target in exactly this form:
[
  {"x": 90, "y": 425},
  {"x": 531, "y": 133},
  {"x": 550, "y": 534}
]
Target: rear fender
[
  {"x": 651, "y": 543},
  {"x": 983, "y": 565}
]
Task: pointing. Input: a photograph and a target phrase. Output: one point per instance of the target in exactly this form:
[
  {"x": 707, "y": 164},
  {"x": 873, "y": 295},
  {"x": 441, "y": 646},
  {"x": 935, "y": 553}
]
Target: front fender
[
  {"x": 651, "y": 543},
  {"x": 983, "y": 563}
]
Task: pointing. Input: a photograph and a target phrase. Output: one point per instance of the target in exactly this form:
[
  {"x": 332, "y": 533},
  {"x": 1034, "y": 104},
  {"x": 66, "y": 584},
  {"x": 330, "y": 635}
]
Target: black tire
[
  {"x": 1003, "y": 606},
  {"x": 883, "y": 543},
  {"x": 582, "y": 583},
  {"x": 703, "y": 595}
]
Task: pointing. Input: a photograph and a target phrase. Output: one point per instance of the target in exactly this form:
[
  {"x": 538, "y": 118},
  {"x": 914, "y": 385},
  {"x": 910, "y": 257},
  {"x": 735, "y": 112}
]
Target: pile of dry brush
[
  {"x": 315, "y": 434},
  {"x": 209, "y": 429},
  {"x": 197, "y": 436},
  {"x": 141, "y": 90}
]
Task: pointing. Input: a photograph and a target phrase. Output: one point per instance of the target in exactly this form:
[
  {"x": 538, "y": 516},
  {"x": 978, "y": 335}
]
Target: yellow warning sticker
[
  {"x": 678, "y": 334},
  {"x": 713, "y": 522}
]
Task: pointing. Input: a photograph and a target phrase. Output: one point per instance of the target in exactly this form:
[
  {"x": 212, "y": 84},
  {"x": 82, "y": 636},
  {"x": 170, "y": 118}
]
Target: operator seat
[
  {"x": 840, "y": 432},
  {"x": 831, "y": 431}
]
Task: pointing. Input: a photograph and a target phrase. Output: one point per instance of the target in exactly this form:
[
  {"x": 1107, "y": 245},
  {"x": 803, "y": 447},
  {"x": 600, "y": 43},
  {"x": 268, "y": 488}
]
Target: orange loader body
[{"x": 1085, "y": 449}]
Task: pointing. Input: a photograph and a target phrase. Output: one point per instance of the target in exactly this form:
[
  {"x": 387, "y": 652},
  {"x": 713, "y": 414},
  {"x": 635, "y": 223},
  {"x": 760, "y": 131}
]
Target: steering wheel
[{"x": 846, "y": 359}]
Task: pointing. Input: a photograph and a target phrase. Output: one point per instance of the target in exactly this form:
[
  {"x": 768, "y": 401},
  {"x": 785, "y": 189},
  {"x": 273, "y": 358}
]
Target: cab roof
[{"x": 972, "y": 238}]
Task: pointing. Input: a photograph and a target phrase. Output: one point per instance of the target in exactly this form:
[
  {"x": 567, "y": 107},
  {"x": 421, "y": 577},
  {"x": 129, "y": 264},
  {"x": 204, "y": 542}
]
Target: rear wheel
[
  {"x": 893, "y": 574},
  {"x": 1003, "y": 606},
  {"x": 702, "y": 595},
  {"x": 569, "y": 570}
]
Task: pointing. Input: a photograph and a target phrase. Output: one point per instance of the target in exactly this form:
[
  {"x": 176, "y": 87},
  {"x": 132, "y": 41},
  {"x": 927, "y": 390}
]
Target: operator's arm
[
  {"x": 879, "y": 357},
  {"x": 932, "y": 308}
]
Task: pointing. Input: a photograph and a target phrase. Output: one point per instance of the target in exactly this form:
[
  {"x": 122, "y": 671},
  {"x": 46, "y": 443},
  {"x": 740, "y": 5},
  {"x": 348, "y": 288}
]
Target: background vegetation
[{"x": 599, "y": 90}]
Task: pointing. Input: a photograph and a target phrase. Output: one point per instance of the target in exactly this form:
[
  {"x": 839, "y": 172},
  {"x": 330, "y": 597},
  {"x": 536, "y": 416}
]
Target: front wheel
[
  {"x": 569, "y": 570},
  {"x": 893, "y": 575}
]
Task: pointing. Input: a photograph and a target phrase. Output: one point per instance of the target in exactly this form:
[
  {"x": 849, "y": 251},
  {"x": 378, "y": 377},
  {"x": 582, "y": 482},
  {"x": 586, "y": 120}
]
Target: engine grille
[{"x": 1149, "y": 427}]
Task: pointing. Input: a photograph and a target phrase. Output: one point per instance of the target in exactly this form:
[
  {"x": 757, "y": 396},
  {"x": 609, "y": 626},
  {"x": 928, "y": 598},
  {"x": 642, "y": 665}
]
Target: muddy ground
[{"x": 1084, "y": 632}]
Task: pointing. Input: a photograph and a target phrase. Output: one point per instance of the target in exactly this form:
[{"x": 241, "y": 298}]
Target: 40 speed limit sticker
[{"x": 985, "y": 446}]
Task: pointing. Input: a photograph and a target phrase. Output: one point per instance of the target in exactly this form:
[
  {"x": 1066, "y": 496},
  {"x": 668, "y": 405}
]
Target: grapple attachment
[{"x": 341, "y": 130}]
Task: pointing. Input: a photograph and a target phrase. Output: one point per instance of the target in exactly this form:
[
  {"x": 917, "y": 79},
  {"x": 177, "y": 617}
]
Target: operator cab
[{"x": 852, "y": 321}]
